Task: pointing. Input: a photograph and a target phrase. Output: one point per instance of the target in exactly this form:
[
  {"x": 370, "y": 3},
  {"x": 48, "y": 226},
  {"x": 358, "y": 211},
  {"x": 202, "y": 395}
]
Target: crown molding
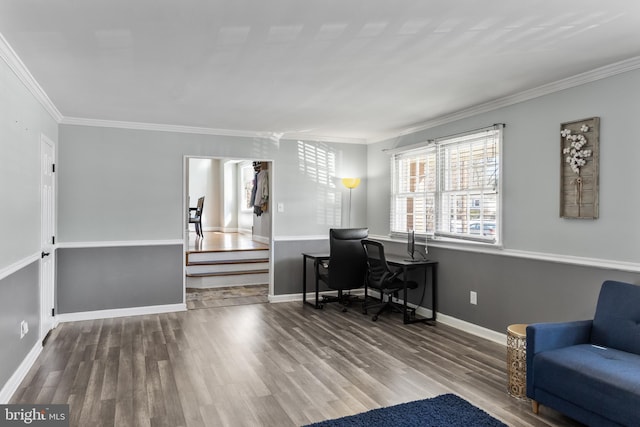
[
  {"x": 17, "y": 66},
  {"x": 557, "y": 86},
  {"x": 79, "y": 121}
]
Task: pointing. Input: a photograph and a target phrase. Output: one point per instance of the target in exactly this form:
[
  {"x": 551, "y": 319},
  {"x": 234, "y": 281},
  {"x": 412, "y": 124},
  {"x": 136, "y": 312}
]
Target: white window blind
[{"x": 449, "y": 187}]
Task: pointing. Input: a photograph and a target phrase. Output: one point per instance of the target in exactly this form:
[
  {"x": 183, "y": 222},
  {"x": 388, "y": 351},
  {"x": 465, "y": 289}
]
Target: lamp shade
[{"x": 351, "y": 183}]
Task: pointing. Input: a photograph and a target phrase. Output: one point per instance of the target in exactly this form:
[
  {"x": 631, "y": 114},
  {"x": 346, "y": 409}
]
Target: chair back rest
[
  {"x": 199, "y": 206},
  {"x": 616, "y": 323},
  {"x": 378, "y": 270},
  {"x": 347, "y": 264}
]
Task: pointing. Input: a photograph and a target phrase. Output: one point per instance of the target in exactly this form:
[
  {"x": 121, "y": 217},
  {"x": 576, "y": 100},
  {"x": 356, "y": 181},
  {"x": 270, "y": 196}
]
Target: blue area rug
[{"x": 447, "y": 410}]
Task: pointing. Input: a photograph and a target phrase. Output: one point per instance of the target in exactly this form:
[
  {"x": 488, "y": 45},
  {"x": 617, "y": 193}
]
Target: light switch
[{"x": 280, "y": 207}]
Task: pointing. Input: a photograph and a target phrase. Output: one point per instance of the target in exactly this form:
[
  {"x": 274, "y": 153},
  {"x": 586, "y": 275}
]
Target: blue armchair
[{"x": 590, "y": 370}]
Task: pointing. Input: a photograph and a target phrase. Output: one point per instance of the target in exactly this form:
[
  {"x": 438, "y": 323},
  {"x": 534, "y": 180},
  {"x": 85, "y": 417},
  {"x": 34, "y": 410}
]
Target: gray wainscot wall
[
  {"x": 19, "y": 300},
  {"x": 105, "y": 278}
]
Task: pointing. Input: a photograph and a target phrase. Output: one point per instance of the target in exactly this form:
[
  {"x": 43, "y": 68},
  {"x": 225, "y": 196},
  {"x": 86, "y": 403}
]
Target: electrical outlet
[
  {"x": 473, "y": 297},
  {"x": 24, "y": 328}
]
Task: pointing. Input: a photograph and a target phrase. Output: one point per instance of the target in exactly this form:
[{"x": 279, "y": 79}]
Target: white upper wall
[
  {"x": 22, "y": 122},
  {"x": 531, "y": 171},
  {"x": 124, "y": 184}
]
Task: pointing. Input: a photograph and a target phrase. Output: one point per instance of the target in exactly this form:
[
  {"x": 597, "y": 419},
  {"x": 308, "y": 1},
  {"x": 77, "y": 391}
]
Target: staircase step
[
  {"x": 226, "y": 268},
  {"x": 216, "y": 281},
  {"x": 193, "y": 258},
  {"x": 230, "y": 261},
  {"x": 227, "y": 273}
]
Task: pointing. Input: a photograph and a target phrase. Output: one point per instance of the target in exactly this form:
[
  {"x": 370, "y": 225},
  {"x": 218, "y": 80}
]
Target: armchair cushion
[
  {"x": 604, "y": 380},
  {"x": 550, "y": 336}
]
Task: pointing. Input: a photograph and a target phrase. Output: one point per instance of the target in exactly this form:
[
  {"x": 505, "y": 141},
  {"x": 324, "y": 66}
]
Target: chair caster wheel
[
  {"x": 344, "y": 310},
  {"x": 374, "y": 318}
]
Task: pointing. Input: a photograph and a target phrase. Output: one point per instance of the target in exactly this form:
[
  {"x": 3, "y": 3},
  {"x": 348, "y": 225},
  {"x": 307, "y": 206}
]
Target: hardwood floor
[
  {"x": 264, "y": 365},
  {"x": 214, "y": 241}
]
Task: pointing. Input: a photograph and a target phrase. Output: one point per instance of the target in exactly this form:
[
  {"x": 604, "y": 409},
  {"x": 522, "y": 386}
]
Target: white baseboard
[
  {"x": 120, "y": 312},
  {"x": 473, "y": 329},
  {"x": 13, "y": 383},
  {"x": 310, "y": 296},
  {"x": 462, "y": 325}
]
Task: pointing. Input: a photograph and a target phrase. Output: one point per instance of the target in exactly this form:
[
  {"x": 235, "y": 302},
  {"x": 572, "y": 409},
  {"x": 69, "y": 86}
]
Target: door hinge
[
  {"x": 53, "y": 167},
  {"x": 53, "y": 240},
  {"x": 53, "y": 312}
]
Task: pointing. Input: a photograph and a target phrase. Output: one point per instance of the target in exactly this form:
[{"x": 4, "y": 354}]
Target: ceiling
[{"x": 361, "y": 69}]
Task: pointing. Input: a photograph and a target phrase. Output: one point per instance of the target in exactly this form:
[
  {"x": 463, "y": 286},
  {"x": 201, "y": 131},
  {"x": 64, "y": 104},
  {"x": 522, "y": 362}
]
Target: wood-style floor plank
[{"x": 264, "y": 365}]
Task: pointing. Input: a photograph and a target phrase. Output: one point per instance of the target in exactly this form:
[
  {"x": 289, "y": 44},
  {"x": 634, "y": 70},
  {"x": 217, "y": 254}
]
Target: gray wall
[
  {"x": 121, "y": 184},
  {"x": 288, "y": 272},
  {"x": 22, "y": 122},
  {"x": 513, "y": 289},
  {"x": 126, "y": 185},
  {"x": 118, "y": 277},
  {"x": 19, "y": 301}
]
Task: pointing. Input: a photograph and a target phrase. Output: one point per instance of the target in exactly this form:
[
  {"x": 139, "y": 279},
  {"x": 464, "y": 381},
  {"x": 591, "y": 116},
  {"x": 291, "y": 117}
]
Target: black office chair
[
  {"x": 383, "y": 279},
  {"x": 347, "y": 266},
  {"x": 196, "y": 218}
]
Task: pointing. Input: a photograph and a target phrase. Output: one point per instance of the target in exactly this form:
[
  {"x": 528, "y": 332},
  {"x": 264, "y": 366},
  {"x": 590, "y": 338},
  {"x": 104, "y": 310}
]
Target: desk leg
[
  {"x": 304, "y": 280},
  {"x": 316, "y": 267},
  {"x": 304, "y": 283},
  {"x": 434, "y": 288},
  {"x": 413, "y": 319}
]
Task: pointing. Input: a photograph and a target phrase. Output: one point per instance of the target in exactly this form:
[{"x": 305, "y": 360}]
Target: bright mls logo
[{"x": 34, "y": 415}]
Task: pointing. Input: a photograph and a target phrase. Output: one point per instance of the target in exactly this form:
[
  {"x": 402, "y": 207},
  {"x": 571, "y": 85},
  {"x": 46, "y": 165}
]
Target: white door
[{"x": 47, "y": 233}]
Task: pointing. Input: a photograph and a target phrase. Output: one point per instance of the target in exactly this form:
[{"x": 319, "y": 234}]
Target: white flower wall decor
[{"x": 579, "y": 177}]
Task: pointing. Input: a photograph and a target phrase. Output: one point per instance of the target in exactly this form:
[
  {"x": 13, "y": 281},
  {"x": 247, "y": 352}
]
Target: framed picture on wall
[{"x": 579, "y": 175}]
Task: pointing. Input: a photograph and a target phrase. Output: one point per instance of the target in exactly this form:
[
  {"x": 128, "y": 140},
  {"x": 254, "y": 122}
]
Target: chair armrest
[{"x": 549, "y": 336}]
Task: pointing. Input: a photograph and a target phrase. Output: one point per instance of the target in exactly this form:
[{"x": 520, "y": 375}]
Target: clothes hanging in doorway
[{"x": 260, "y": 193}]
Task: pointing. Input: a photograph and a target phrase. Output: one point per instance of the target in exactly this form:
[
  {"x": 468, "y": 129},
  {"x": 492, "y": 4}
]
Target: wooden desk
[{"x": 394, "y": 261}]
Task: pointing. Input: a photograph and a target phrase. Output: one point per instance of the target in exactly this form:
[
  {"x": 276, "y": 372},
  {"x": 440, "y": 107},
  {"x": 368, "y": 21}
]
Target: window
[{"x": 449, "y": 187}]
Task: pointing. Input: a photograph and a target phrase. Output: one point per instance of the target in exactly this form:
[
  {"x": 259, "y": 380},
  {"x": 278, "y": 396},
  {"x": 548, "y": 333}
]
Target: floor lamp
[{"x": 350, "y": 183}]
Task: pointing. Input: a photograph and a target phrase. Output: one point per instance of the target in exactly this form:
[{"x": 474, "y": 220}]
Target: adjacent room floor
[{"x": 219, "y": 241}]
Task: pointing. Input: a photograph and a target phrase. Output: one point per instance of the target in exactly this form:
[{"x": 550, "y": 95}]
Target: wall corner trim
[
  {"x": 120, "y": 312},
  {"x": 606, "y": 264},
  {"x": 119, "y": 243},
  {"x": 300, "y": 238},
  {"x": 18, "y": 265},
  {"x": 14, "y": 381}
]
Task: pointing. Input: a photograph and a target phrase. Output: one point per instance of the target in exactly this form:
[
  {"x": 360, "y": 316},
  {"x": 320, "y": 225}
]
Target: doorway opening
[{"x": 228, "y": 247}]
